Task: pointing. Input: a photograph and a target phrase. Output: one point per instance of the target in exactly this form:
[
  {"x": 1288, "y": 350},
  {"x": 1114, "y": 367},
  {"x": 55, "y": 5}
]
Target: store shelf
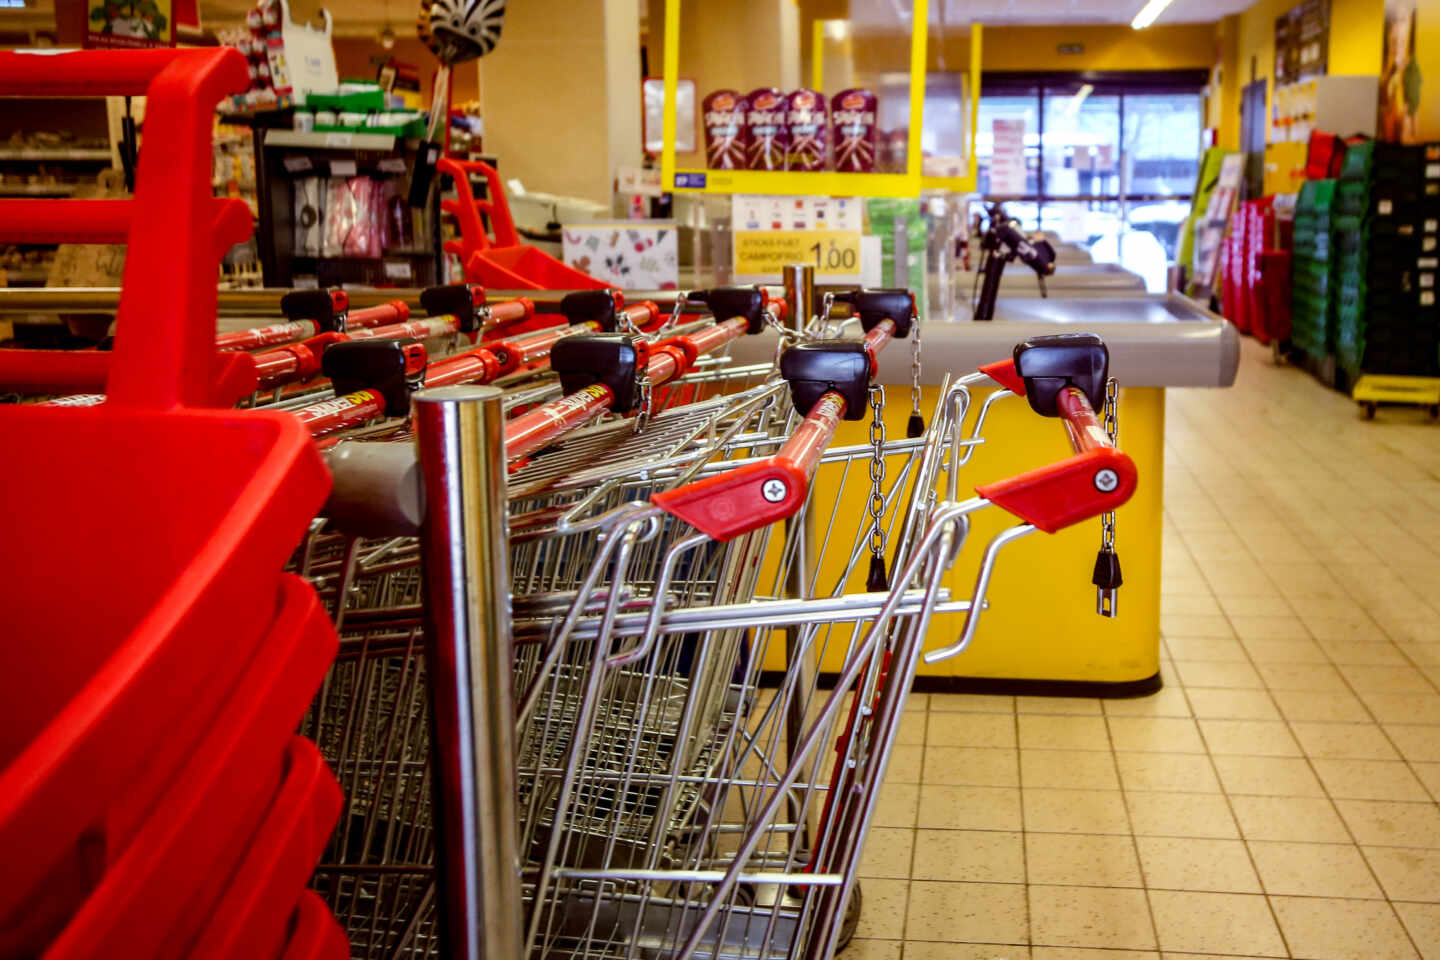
[
  {"x": 786, "y": 183},
  {"x": 57, "y": 156},
  {"x": 330, "y": 141},
  {"x": 37, "y": 189}
]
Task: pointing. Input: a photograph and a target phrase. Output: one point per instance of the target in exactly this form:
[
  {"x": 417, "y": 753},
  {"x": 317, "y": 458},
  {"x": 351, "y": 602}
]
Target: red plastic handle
[
  {"x": 1096, "y": 480},
  {"x": 422, "y": 329},
  {"x": 467, "y": 209},
  {"x": 536, "y": 428},
  {"x": 257, "y": 337},
  {"x": 747, "y": 498},
  {"x": 1003, "y": 373},
  {"x": 340, "y": 413},
  {"x": 396, "y": 311}
]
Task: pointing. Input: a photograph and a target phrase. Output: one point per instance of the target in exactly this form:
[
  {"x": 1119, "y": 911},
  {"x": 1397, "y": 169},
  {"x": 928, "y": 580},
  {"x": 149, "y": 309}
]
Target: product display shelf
[{"x": 825, "y": 183}]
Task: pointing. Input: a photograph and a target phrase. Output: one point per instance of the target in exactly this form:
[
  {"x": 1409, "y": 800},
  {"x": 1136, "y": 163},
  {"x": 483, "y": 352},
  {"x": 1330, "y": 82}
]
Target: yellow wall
[{"x": 1356, "y": 28}]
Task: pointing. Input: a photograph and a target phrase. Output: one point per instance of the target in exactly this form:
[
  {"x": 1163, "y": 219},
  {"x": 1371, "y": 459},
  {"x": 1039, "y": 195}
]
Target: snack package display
[
  {"x": 724, "y": 118},
  {"x": 309, "y": 211},
  {"x": 351, "y": 226},
  {"x": 765, "y": 130},
  {"x": 806, "y": 130},
  {"x": 853, "y": 131}
]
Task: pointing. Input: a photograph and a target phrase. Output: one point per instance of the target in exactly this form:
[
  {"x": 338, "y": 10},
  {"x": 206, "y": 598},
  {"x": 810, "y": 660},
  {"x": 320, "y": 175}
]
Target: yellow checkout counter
[{"x": 1041, "y": 633}]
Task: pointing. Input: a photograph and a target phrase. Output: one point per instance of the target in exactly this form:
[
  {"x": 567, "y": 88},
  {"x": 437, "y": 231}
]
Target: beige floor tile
[
  {"x": 1075, "y": 811},
  {"x": 1192, "y": 625},
  {"x": 887, "y": 852},
  {"x": 1376, "y": 652},
  {"x": 1388, "y": 680},
  {"x": 1319, "y": 677},
  {"x": 1407, "y": 873},
  {"x": 1069, "y": 769},
  {"x": 1357, "y": 628},
  {"x": 912, "y": 729},
  {"x": 1284, "y": 651},
  {"x": 1155, "y": 735},
  {"x": 1208, "y": 606},
  {"x": 1308, "y": 706},
  {"x": 1217, "y": 673},
  {"x": 1063, "y": 733},
  {"x": 1089, "y": 953},
  {"x": 874, "y": 949},
  {"x": 1385, "y": 823},
  {"x": 1090, "y": 917},
  {"x": 1313, "y": 870},
  {"x": 1168, "y": 701},
  {"x": 1167, "y": 772},
  {"x": 1058, "y": 705},
  {"x": 882, "y": 910},
  {"x": 904, "y": 765},
  {"x": 1268, "y": 776},
  {"x": 972, "y": 766},
  {"x": 971, "y": 730},
  {"x": 1403, "y": 707},
  {"x": 1256, "y": 607},
  {"x": 1422, "y": 921},
  {"x": 1081, "y": 860},
  {"x": 1342, "y": 929},
  {"x": 1424, "y": 654},
  {"x": 1190, "y": 863},
  {"x": 1226, "y": 923},
  {"x": 986, "y": 856},
  {"x": 969, "y": 808},
  {"x": 1429, "y": 774},
  {"x": 896, "y": 805},
  {"x": 970, "y": 703},
  {"x": 1180, "y": 815},
  {"x": 967, "y": 912},
  {"x": 1221, "y": 649},
  {"x": 934, "y": 950},
  {"x": 1411, "y": 630},
  {"x": 1415, "y": 743},
  {"x": 1303, "y": 819},
  {"x": 1221, "y": 704},
  {"x": 1370, "y": 780},
  {"x": 1258, "y": 738},
  {"x": 1344, "y": 741}
]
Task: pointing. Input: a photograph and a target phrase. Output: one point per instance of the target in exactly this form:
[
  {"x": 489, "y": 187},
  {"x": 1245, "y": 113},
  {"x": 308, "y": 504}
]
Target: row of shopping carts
[{"x": 571, "y": 553}]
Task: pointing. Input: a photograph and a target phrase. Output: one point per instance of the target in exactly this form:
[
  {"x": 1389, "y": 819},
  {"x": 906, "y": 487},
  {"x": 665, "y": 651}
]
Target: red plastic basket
[
  {"x": 505, "y": 263},
  {"x": 255, "y": 911},
  {"x": 315, "y": 933},
  {"x": 146, "y": 539}
]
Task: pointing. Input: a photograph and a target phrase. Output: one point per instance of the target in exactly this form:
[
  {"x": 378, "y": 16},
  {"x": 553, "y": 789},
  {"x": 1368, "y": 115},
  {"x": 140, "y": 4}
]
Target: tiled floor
[{"x": 1277, "y": 798}]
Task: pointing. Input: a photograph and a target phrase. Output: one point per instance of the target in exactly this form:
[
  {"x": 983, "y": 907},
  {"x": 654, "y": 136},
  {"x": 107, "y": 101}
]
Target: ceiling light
[
  {"x": 387, "y": 38},
  {"x": 1148, "y": 13}
]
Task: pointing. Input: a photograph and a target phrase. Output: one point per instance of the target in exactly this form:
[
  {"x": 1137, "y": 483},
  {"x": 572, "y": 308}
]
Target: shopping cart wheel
[
  {"x": 851, "y": 920},
  {"x": 1369, "y": 409}
]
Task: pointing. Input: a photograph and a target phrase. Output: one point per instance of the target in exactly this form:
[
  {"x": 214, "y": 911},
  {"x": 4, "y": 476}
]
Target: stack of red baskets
[
  {"x": 154, "y": 800},
  {"x": 1257, "y": 273}
]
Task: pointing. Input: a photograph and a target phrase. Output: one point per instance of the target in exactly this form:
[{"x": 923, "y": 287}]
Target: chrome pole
[
  {"x": 799, "y": 280},
  {"x": 469, "y": 653}
]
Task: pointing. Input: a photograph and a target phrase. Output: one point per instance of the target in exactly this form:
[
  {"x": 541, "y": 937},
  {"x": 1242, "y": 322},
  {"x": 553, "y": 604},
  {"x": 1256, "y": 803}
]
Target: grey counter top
[{"x": 1154, "y": 341}]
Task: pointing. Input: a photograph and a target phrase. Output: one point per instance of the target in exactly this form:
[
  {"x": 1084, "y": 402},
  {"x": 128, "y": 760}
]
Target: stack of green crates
[
  {"x": 1313, "y": 285},
  {"x": 1386, "y": 211}
]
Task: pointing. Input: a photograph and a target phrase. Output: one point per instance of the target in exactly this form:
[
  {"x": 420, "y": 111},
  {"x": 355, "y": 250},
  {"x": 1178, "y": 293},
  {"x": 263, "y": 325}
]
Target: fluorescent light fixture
[
  {"x": 1073, "y": 109},
  {"x": 1148, "y": 13},
  {"x": 837, "y": 29}
]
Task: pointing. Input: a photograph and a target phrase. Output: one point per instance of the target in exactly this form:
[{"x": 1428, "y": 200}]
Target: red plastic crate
[
  {"x": 159, "y": 894},
  {"x": 256, "y": 908},
  {"x": 315, "y": 933}
]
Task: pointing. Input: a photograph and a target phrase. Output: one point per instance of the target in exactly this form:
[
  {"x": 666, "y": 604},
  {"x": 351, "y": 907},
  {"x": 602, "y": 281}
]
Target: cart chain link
[
  {"x": 877, "y": 579},
  {"x": 915, "y": 426},
  {"x": 642, "y": 419},
  {"x": 1107, "y": 577},
  {"x": 681, "y": 298}
]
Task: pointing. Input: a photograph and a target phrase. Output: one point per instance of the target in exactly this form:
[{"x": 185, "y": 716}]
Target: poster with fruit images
[
  {"x": 130, "y": 24},
  {"x": 628, "y": 254}
]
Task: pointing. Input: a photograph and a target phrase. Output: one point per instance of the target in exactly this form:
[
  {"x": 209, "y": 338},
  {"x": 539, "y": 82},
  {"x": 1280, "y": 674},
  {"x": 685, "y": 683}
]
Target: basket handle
[
  {"x": 166, "y": 314},
  {"x": 467, "y": 209}
]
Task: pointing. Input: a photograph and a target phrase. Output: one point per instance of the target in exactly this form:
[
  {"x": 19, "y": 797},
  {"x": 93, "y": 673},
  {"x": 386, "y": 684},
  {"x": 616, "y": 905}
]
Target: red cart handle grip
[
  {"x": 396, "y": 311},
  {"x": 1097, "y": 479}
]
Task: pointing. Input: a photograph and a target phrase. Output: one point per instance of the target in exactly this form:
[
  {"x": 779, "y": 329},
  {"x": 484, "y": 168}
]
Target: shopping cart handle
[
  {"x": 392, "y": 368},
  {"x": 874, "y": 306},
  {"x": 613, "y": 360},
  {"x": 326, "y": 308},
  {"x": 828, "y": 366}
]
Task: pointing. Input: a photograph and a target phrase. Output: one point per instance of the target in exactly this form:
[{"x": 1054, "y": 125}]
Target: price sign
[{"x": 761, "y": 255}]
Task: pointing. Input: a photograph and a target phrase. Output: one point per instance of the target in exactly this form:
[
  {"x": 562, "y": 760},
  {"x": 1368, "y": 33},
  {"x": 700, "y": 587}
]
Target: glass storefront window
[
  {"x": 1022, "y": 106},
  {"x": 1082, "y": 142}
]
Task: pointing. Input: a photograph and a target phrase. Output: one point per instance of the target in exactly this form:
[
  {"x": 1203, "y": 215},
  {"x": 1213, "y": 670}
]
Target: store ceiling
[{"x": 1045, "y": 12}]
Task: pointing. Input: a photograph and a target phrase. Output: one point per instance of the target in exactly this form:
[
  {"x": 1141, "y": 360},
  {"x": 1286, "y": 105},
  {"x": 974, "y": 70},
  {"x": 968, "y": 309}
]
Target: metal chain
[
  {"x": 915, "y": 366},
  {"x": 877, "y": 471},
  {"x": 1112, "y": 430},
  {"x": 680, "y": 301},
  {"x": 643, "y": 417}
]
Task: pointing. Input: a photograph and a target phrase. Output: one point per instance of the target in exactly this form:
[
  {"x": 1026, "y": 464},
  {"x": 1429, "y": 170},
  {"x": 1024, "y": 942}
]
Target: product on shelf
[
  {"x": 309, "y": 211},
  {"x": 352, "y": 226},
  {"x": 853, "y": 131},
  {"x": 807, "y": 131},
  {"x": 724, "y": 112},
  {"x": 765, "y": 130}
]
